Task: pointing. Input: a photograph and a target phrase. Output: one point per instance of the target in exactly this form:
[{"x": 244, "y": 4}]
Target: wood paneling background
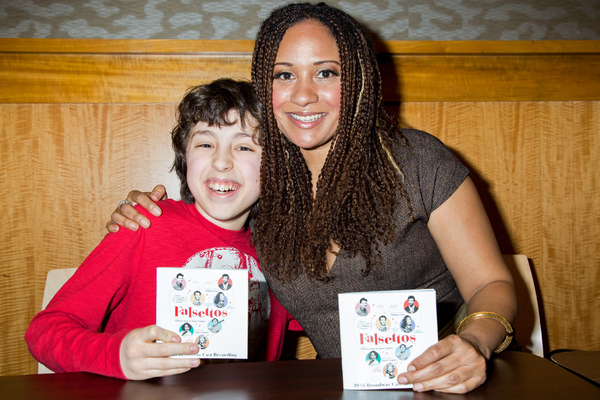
[
  {"x": 82, "y": 122},
  {"x": 536, "y": 166},
  {"x": 64, "y": 169}
]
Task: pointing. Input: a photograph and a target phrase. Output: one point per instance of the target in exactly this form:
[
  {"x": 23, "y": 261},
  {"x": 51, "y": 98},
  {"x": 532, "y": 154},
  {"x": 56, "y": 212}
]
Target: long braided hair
[{"x": 360, "y": 185}]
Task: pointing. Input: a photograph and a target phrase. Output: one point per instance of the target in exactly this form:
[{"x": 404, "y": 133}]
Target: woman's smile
[{"x": 308, "y": 118}]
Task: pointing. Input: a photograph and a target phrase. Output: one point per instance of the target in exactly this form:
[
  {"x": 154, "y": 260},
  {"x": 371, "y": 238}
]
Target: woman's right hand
[{"x": 128, "y": 217}]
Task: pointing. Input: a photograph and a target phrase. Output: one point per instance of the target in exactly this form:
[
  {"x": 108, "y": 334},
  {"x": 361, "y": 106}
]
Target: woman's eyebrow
[
  {"x": 327, "y": 61},
  {"x": 289, "y": 64}
]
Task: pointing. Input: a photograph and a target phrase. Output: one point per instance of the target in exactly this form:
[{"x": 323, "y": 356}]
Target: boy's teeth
[
  {"x": 221, "y": 187},
  {"x": 308, "y": 118}
]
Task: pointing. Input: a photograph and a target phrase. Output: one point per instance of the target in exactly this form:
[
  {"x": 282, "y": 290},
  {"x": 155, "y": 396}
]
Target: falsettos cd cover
[
  {"x": 206, "y": 306},
  {"x": 381, "y": 332}
]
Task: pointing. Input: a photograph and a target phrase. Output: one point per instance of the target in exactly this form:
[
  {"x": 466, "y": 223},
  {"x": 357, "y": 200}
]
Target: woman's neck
[{"x": 315, "y": 160}]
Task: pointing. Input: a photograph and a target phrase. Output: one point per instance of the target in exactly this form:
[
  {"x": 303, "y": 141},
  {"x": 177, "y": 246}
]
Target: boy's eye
[{"x": 204, "y": 145}]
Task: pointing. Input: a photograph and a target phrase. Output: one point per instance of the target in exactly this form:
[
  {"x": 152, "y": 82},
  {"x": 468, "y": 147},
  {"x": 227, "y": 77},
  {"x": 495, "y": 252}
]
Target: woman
[
  {"x": 349, "y": 202},
  {"x": 390, "y": 370},
  {"x": 202, "y": 342},
  {"x": 186, "y": 330},
  {"x": 220, "y": 300},
  {"x": 406, "y": 324},
  {"x": 373, "y": 358}
]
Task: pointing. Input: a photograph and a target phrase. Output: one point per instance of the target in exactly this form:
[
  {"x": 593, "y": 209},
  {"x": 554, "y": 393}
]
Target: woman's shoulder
[
  {"x": 431, "y": 170},
  {"x": 421, "y": 149},
  {"x": 421, "y": 141}
]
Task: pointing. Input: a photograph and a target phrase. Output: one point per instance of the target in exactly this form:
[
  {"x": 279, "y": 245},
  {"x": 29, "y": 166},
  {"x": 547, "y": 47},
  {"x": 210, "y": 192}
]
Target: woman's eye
[
  {"x": 244, "y": 148},
  {"x": 283, "y": 76},
  {"x": 327, "y": 73}
]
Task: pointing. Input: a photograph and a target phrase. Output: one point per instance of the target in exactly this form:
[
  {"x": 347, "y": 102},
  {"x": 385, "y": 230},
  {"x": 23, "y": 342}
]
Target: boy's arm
[
  {"x": 65, "y": 347},
  {"x": 65, "y": 336}
]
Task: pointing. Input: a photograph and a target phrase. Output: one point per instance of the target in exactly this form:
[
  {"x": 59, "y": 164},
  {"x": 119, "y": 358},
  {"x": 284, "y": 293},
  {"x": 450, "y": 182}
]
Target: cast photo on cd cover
[
  {"x": 381, "y": 332},
  {"x": 206, "y": 306}
]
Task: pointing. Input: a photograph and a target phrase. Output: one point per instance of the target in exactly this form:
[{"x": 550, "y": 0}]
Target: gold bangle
[{"x": 494, "y": 316}]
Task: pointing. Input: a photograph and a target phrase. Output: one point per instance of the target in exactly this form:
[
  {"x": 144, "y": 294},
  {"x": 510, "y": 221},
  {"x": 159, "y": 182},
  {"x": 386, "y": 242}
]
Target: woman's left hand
[{"x": 453, "y": 365}]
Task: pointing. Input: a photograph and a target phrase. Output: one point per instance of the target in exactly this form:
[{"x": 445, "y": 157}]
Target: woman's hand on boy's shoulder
[
  {"x": 142, "y": 358},
  {"x": 127, "y": 216}
]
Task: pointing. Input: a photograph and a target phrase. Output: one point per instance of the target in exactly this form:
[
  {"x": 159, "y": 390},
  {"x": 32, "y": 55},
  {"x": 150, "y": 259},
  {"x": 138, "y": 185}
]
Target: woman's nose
[{"x": 304, "y": 93}]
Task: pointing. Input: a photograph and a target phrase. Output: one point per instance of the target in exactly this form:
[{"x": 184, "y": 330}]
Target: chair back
[
  {"x": 529, "y": 323},
  {"x": 54, "y": 281}
]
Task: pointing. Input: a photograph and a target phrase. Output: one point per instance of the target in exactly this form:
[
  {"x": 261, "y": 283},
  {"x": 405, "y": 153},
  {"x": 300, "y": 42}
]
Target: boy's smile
[
  {"x": 220, "y": 186},
  {"x": 223, "y": 170}
]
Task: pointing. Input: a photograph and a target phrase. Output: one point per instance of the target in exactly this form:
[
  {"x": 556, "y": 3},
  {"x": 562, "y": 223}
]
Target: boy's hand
[
  {"x": 127, "y": 216},
  {"x": 143, "y": 358}
]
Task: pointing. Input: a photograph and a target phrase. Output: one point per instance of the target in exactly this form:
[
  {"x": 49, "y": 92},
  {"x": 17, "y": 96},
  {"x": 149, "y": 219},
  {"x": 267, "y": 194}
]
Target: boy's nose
[{"x": 222, "y": 161}]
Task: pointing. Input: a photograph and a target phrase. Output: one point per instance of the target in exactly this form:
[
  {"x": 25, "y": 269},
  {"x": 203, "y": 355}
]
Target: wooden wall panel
[
  {"x": 413, "y": 71},
  {"x": 18, "y": 281},
  {"x": 571, "y": 223},
  {"x": 536, "y": 167},
  {"x": 493, "y": 77},
  {"x": 111, "y": 78},
  {"x": 500, "y": 142},
  {"x": 64, "y": 169}
]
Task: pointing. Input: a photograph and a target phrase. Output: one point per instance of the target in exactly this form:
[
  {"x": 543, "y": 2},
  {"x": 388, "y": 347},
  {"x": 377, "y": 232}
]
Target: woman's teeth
[{"x": 308, "y": 118}]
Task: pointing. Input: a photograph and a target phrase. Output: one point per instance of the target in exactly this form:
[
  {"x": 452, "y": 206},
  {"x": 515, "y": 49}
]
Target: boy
[{"x": 102, "y": 320}]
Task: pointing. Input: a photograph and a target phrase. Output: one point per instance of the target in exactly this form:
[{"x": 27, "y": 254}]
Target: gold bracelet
[{"x": 494, "y": 316}]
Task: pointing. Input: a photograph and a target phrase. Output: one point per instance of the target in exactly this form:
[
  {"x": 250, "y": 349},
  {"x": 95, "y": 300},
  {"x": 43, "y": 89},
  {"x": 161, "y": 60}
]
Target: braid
[{"x": 360, "y": 184}]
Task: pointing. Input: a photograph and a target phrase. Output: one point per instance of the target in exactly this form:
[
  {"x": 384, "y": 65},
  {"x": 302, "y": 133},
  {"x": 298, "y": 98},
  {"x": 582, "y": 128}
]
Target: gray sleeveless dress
[{"x": 412, "y": 261}]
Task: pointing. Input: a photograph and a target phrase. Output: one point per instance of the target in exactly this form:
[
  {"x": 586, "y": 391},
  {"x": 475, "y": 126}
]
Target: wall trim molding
[
  {"x": 119, "y": 71},
  {"x": 246, "y": 46}
]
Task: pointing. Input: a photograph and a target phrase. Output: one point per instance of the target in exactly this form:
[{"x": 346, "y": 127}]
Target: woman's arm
[
  {"x": 127, "y": 216},
  {"x": 463, "y": 233}
]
